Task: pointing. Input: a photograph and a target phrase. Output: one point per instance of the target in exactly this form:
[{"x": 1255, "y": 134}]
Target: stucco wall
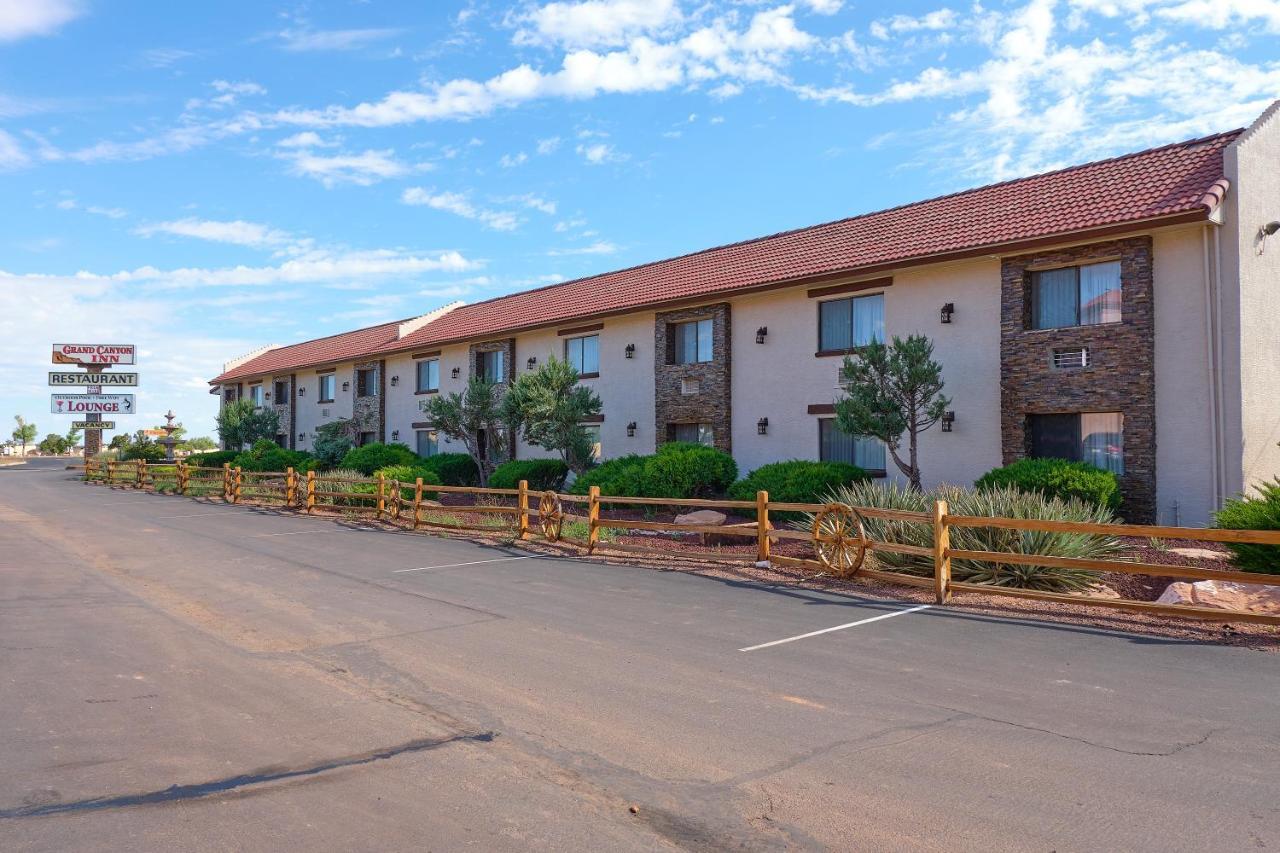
[
  {"x": 781, "y": 378},
  {"x": 311, "y": 410}
]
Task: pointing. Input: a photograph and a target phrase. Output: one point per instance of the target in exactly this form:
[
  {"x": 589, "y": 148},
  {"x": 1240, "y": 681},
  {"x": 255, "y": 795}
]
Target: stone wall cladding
[
  {"x": 1121, "y": 372},
  {"x": 284, "y": 409},
  {"x": 507, "y": 345},
  {"x": 713, "y": 403},
  {"x": 370, "y": 412}
]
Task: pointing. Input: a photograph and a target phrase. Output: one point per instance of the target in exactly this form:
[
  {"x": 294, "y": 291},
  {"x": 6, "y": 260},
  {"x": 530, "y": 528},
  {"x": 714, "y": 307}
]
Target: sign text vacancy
[
  {"x": 85, "y": 425},
  {"x": 92, "y": 404},
  {"x": 118, "y": 379},
  {"x": 94, "y": 354}
]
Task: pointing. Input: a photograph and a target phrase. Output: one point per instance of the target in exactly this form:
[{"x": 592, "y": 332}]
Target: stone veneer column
[
  {"x": 1121, "y": 372},
  {"x": 370, "y": 412},
  {"x": 284, "y": 408},
  {"x": 508, "y": 346},
  {"x": 712, "y": 404}
]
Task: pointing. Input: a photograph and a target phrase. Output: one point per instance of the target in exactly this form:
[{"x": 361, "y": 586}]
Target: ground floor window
[
  {"x": 366, "y": 438},
  {"x": 699, "y": 433},
  {"x": 593, "y": 434},
  {"x": 1093, "y": 437},
  {"x": 494, "y": 444},
  {"x": 835, "y": 445},
  {"x": 428, "y": 442}
]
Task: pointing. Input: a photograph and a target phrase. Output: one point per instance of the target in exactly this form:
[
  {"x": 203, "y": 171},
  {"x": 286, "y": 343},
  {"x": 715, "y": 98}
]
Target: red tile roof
[
  {"x": 334, "y": 348},
  {"x": 1158, "y": 184}
]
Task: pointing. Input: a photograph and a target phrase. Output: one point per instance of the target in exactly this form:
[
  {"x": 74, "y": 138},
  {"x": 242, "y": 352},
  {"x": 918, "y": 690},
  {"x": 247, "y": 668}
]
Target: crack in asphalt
[{"x": 243, "y": 780}]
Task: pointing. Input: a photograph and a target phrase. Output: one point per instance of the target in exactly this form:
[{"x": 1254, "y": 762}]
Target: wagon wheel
[
  {"x": 839, "y": 539},
  {"x": 550, "y": 515}
]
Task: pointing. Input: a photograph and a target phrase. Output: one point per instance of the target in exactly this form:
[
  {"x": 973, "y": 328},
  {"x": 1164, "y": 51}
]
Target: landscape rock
[
  {"x": 1228, "y": 595},
  {"x": 1200, "y": 553},
  {"x": 702, "y": 516}
]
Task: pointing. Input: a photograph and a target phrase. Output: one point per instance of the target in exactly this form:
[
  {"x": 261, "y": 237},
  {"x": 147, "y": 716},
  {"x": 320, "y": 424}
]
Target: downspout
[
  {"x": 1210, "y": 337},
  {"x": 1217, "y": 329}
]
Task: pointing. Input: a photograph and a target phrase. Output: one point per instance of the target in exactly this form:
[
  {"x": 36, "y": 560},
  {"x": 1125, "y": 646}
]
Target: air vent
[
  {"x": 690, "y": 386},
  {"x": 1066, "y": 359},
  {"x": 324, "y": 413}
]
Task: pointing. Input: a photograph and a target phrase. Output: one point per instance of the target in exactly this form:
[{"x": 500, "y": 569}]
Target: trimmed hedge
[
  {"x": 409, "y": 474},
  {"x": 1056, "y": 478},
  {"x": 371, "y": 457},
  {"x": 266, "y": 455},
  {"x": 797, "y": 481},
  {"x": 542, "y": 474},
  {"x": 212, "y": 459},
  {"x": 453, "y": 469},
  {"x": 677, "y": 470},
  {"x": 623, "y": 476},
  {"x": 1253, "y": 512}
]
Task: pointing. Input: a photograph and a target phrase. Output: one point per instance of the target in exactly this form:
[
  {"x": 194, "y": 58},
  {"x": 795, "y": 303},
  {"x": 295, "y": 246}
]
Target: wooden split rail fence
[{"x": 835, "y": 531}]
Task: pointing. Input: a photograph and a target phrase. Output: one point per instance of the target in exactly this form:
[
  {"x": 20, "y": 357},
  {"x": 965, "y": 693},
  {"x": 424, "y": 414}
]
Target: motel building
[{"x": 1124, "y": 312}]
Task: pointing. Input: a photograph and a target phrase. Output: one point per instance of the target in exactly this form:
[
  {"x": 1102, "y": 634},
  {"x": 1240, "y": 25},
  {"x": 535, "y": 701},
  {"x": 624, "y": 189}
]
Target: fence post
[
  {"x": 762, "y": 526},
  {"x": 111, "y": 470},
  {"x": 522, "y": 508},
  {"x": 226, "y": 481},
  {"x": 235, "y": 496},
  {"x": 311, "y": 492},
  {"x": 593, "y": 518},
  {"x": 290, "y": 487},
  {"x": 183, "y": 476},
  {"x": 941, "y": 561},
  {"x": 141, "y": 482},
  {"x": 417, "y": 501},
  {"x": 382, "y": 496}
]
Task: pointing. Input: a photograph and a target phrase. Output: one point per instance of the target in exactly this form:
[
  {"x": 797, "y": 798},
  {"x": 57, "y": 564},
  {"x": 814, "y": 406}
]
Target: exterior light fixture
[
  {"x": 302, "y": 392},
  {"x": 762, "y": 426},
  {"x": 395, "y": 435},
  {"x": 301, "y": 436},
  {"x": 533, "y": 360},
  {"x": 631, "y": 430},
  {"x": 760, "y": 334},
  {"x": 395, "y": 380},
  {"x": 630, "y": 351},
  {"x": 346, "y": 386},
  {"x": 455, "y": 372},
  {"x": 267, "y": 395},
  {"x": 948, "y": 419},
  {"x": 947, "y": 311}
]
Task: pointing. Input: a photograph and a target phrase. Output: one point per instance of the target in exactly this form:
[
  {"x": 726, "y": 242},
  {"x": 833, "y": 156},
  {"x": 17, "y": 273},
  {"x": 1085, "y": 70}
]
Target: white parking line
[
  {"x": 838, "y": 627},
  {"x": 455, "y": 565},
  {"x": 313, "y": 530},
  {"x": 191, "y": 515}
]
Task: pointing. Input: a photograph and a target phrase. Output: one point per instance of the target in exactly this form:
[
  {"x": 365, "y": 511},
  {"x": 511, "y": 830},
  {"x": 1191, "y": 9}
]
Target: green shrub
[
  {"x": 453, "y": 469},
  {"x": 266, "y": 455},
  {"x": 1254, "y": 512},
  {"x": 1008, "y": 502},
  {"x": 682, "y": 470},
  {"x": 371, "y": 457},
  {"x": 796, "y": 481},
  {"x": 623, "y": 476},
  {"x": 340, "y": 485},
  {"x": 214, "y": 459},
  {"x": 542, "y": 474},
  {"x": 1057, "y": 478},
  {"x": 408, "y": 474},
  {"x": 143, "y": 449}
]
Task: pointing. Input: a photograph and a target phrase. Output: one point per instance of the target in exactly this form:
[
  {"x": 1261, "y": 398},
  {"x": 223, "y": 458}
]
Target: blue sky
[{"x": 203, "y": 179}]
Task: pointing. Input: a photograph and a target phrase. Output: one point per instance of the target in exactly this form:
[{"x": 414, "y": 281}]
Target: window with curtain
[
  {"x": 429, "y": 375},
  {"x": 693, "y": 433},
  {"x": 428, "y": 442},
  {"x": 844, "y": 324},
  {"x": 255, "y": 394},
  {"x": 367, "y": 382},
  {"x": 1076, "y": 296},
  {"x": 583, "y": 353},
  {"x": 1093, "y": 437},
  {"x": 835, "y": 445},
  {"x": 692, "y": 341},
  {"x": 492, "y": 366},
  {"x": 593, "y": 435},
  {"x": 327, "y": 384}
]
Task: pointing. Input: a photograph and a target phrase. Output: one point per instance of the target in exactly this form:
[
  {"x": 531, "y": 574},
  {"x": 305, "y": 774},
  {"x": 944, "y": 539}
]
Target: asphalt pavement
[{"x": 182, "y": 674}]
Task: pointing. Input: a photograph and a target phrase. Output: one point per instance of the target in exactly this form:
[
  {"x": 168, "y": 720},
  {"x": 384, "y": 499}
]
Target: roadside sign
[
  {"x": 88, "y": 425},
  {"x": 94, "y": 354},
  {"x": 96, "y": 379},
  {"x": 91, "y": 404}
]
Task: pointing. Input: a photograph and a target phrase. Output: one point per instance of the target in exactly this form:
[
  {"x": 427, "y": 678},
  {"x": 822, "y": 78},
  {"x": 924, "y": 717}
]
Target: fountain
[{"x": 168, "y": 441}]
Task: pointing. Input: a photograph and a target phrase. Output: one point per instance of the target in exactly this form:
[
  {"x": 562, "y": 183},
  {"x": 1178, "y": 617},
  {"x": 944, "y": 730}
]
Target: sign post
[{"x": 94, "y": 359}]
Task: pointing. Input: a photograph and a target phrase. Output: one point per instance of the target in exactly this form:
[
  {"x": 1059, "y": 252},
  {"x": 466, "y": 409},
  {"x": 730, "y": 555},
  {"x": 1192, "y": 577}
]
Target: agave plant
[{"x": 1004, "y": 502}]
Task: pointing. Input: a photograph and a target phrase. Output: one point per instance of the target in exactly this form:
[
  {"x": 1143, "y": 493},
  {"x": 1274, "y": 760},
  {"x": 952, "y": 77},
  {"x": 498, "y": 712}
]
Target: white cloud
[
  {"x": 548, "y": 145},
  {"x": 598, "y": 153},
  {"x": 305, "y": 139},
  {"x": 534, "y": 202},
  {"x": 600, "y": 247},
  {"x": 236, "y": 232},
  {"x": 309, "y": 40},
  {"x": 459, "y": 205},
  {"x": 109, "y": 212},
  {"x": 510, "y": 161},
  {"x": 163, "y": 57},
  {"x": 22, "y": 18},
  {"x": 1221, "y": 14},
  {"x": 11, "y": 154},
  {"x": 824, "y": 7},
  {"x": 941, "y": 19},
  {"x": 363, "y": 169},
  {"x": 596, "y": 23},
  {"x": 244, "y": 87}
]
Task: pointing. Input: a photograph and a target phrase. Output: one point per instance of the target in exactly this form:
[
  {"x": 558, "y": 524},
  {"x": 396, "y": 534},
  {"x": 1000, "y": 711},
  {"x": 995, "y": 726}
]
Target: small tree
[
  {"x": 466, "y": 416},
  {"x": 24, "y": 433},
  {"x": 892, "y": 390},
  {"x": 73, "y": 438},
  {"x": 241, "y": 423},
  {"x": 549, "y": 406},
  {"x": 53, "y": 445},
  {"x": 199, "y": 443},
  {"x": 333, "y": 441},
  {"x": 119, "y": 441}
]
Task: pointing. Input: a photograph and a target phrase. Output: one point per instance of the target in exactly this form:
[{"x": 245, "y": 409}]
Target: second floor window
[
  {"x": 429, "y": 375},
  {"x": 255, "y": 394},
  {"x": 693, "y": 342},
  {"x": 1076, "y": 296},
  {"x": 491, "y": 366},
  {"x": 327, "y": 385},
  {"x": 844, "y": 324},
  {"x": 281, "y": 393},
  {"x": 583, "y": 354},
  {"x": 367, "y": 382}
]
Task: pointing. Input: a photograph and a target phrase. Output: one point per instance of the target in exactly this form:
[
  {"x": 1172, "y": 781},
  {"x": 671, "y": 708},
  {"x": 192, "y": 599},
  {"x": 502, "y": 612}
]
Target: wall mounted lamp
[
  {"x": 531, "y": 363},
  {"x": 456, "y": 372},
  {"x": 631, "y": 430},
  {"x": 395, "y": 380},
  {"x": 346, "y": 386},
  {"x": 948, "y": 420},
  {"x": 630, "y": 351},
  {"x": 266, "y": 395},
  {"x": 301, "y": 436},
  {"x": 762, "y": 426},
  {"x": 395, "y": 435},
  {"x": 947, "y": 311},
  {"x": 761, "y": 333},
  {"x": 302, "y": 392}
]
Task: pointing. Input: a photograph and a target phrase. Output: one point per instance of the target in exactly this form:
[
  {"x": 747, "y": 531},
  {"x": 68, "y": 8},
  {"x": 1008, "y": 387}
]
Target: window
[
  {"x": 593, "y": 433},
  {"x": 1076, "y": 296},
  {"x": 693, "y": 433},
  {"x": 328, "y": 382},
  {"x": 844, "y": 324},
  {"x": 428, "y": 442},
  {"x": 492, "y": 444},
  {"x": 366, "y": 438},
  {"x": 835, "y": 445},
  {"x": 281, "y": 393},
  {"x": 583, "y": 354},
  {"x": 1093, "y": 437},
  {"x": 692, "y": 342},
  {"x": 491, "y": 366},
  {"x": 367, "y": 382},
  {"x": 429, "y": 375},
  {"x": 255, "y": 394}
]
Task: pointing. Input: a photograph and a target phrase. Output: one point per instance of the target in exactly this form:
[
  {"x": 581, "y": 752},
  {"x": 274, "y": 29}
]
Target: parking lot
[{"x": 179, "y": 673}]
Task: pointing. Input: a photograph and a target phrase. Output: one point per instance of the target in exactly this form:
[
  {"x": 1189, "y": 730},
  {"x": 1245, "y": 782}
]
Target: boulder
[
  {"x": 1200, "y": 553},
  {"x": 1227, "y": 595},
  {"x": 703, "y": 518}
]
